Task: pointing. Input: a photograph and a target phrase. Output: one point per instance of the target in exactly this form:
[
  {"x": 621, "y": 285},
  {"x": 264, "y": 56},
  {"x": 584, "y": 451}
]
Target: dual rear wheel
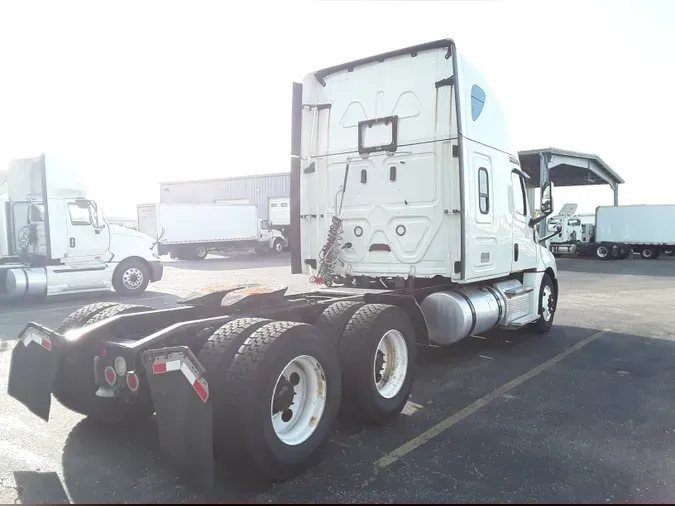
[
  {"x": 610, "y": 251},
  {"x": 277, "y": 388}
]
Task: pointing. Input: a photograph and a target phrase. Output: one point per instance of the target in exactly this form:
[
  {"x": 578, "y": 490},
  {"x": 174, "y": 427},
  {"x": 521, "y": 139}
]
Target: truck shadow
[
  {"x": 663, "y": 266},
  {"x": 34, "y": 487},
  {"x": 618, "y": 388},
  {"x": 129, "y": 466}
]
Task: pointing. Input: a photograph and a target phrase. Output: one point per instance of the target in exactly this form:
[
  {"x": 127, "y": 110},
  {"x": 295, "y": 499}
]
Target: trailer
[
  {"x": 615, "y": 232},
  {"x": 402, "y": 222},
  {"x": 191, "y": 231},
  {"x": 54, "y": 240}
]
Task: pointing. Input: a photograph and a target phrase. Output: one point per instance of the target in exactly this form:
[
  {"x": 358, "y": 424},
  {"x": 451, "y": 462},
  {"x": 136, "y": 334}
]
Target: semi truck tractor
[
  {"x": 191, "y": 231},
  {"x": 54, "y": 240},
  {"x": 408, "y": 210},
  {"x": 614, "y": 232},
  {"x": 574, "y": 235}
]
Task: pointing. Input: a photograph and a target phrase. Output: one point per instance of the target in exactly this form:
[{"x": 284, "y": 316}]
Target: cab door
[
  {"x": 87, "y": 240},
  {"x": 524, "y": 246},
  {"x": 265, "y": 230}
]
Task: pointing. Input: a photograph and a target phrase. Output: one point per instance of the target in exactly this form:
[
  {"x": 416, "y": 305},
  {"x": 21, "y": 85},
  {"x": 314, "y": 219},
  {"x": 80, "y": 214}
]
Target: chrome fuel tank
[{"x": 455, "y": 314}]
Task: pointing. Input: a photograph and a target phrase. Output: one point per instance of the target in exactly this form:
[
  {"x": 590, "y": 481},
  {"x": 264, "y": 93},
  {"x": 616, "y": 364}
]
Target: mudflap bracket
[{"x": 183, "y": 412}]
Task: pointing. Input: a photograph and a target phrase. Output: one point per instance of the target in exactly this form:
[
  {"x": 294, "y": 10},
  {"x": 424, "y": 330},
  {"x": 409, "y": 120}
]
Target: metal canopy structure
[{"x": 567, "y": 168}]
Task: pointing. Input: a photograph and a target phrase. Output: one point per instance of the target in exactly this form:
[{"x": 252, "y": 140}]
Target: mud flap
[
  {"x": 32, "y": 369},
  {"x": 183, "y": 410}
]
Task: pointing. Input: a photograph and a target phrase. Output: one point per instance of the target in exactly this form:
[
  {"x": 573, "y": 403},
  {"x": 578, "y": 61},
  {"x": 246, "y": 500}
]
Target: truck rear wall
[
  {"x": 194, "y": 223},
  {"x": 641, "y": 224},
  {"x": 395, "y": 202}
]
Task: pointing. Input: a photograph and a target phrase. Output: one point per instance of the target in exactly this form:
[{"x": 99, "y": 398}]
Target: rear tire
[
  {"x": 603, "y": 252},
  {"x": 131, "y": 277},
  {"x": 75, "y": 386},
  {"x": 278, "y": 246},
  {"x": 378, "y": 353},
  {"x": 79, "y": 318},
  {"x": 200, "y": 253},
  {"x": 330, "y": 324},
  {"x": 647, "y": 253},
  {"x": 216, "y": 356},
  {"x": 615, "y": 251},
  {"x": 280, "y": 429}
]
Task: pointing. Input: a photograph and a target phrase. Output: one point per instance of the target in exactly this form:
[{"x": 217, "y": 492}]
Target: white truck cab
[
  {"x": 408, "y": 175},
  {"x": 54, "y": 240}
]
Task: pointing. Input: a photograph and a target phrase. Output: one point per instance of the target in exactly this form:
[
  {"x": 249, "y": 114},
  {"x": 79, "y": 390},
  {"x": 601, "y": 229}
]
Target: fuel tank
[{"x": 25, "y": 282}]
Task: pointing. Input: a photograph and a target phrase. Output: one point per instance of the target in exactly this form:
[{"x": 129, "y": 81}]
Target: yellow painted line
[{"x": 444, "y": 425}]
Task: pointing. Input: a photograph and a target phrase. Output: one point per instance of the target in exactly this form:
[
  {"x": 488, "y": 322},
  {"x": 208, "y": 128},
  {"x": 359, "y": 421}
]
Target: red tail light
[
  {"x": 132, "y": 382},
  {"x": 110, "y": 376}
]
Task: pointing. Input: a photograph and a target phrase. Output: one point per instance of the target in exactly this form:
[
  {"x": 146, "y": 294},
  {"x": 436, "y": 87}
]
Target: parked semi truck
[
  {"x": 409, "y": 208},
  {"x": 191, "y": 231},
  {"x": 54, "y": 240},
  {"x": 615, "y": 232}
]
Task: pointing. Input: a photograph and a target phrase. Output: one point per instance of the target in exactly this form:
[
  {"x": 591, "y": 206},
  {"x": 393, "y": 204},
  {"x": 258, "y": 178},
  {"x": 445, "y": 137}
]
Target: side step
[{"x": 521, "y": 290}]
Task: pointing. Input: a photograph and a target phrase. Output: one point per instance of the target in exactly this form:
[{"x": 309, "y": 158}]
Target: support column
[
  {"x": 543, "y": 178},
  {"x": 294, "y": 229},
  {"x": 616, "y": 195}
]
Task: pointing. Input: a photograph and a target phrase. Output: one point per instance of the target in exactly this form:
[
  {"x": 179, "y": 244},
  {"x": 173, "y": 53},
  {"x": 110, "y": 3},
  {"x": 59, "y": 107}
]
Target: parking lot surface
[{"x": 584, "y": 414}]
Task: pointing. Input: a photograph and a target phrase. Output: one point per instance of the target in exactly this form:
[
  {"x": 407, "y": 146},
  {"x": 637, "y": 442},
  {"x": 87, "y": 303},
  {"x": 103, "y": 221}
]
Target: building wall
[{"x": 255, "y": 189}]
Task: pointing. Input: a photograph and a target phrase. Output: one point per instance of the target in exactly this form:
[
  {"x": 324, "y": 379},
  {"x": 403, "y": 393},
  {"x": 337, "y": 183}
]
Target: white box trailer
[
  {"x": 190, "y": 231},
  {"x": 646, "y": 229},
  {"x": 614, "y": 231}
]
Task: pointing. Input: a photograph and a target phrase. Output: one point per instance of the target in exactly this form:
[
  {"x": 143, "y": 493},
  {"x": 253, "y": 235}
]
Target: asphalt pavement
[{"x": 585, "y": 414}]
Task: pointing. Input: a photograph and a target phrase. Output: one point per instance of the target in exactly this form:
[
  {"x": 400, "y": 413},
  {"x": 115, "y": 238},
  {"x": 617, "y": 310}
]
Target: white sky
[{"x": 134, "y": 93}]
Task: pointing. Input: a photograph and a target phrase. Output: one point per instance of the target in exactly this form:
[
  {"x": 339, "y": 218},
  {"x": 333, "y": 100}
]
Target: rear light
[
  {"x": 110, "y": 376},
  {"x": 132, "y": 381},
  {"x": 159, "y": 368},
  {"x": 120, "y": 366}
]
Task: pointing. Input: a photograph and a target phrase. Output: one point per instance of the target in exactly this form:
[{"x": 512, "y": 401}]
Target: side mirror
[
  {"x": 93, "y": 210},
  {"x": 545, "y": 203}
]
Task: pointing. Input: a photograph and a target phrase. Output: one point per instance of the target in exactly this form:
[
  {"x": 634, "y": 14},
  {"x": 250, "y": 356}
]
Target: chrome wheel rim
[
  {"x": 132, "y": 278},
  {"x": 299, "y": 400},
  {"x": 390, "y": 364},
  {"x": 546, "y": 300}
]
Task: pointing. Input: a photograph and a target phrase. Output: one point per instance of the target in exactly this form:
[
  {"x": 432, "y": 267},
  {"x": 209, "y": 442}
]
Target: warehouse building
[{"x": 265, "y": 191}]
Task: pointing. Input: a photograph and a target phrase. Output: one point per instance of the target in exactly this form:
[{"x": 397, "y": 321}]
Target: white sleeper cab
[
  {"x": 409, "y": 175},
  {"x": 53, "y": 240}
]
